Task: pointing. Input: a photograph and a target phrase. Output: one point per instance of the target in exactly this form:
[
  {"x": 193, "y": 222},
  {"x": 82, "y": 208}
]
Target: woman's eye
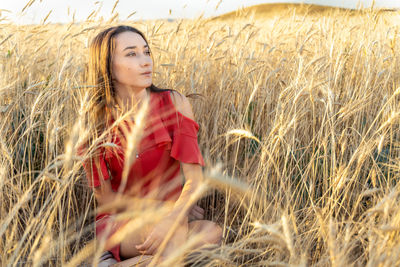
[
  {"x": 147, "y": 53},
  {"x": 131, "y": 54}
]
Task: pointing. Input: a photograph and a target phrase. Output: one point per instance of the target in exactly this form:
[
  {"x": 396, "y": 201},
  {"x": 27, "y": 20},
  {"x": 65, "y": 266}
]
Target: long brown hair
[{"x": 100, "y": 86}]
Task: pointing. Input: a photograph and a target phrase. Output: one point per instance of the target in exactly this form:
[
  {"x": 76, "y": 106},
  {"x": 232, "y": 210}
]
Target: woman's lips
[{"x": 146, "y": 73}]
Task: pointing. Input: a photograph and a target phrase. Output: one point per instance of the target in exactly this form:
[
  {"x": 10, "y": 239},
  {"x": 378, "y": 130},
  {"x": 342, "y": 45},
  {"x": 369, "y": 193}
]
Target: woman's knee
[
  {"x": 211, "y": 231},
  {"x": 180, "y": 234},
  {"x": 216, "y": 233}
]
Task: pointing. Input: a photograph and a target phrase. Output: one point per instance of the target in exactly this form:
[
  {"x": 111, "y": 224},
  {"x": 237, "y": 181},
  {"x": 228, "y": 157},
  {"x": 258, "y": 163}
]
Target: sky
[{"x": 68, "y": 10}]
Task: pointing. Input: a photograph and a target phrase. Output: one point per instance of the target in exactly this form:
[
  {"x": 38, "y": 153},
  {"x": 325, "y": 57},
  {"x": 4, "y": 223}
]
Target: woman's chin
[
  {"x": 148, "y": 84},
  {"x": 142, "y": 85}
]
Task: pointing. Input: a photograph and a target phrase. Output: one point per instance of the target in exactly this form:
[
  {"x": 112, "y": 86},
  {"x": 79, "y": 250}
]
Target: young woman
[{"x": 120, "y": 72}]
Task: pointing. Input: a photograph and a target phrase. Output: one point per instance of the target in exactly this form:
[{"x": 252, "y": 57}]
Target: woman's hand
[
  {"x": 157, "y": 236},
  {"x": 196, "y": 213}
]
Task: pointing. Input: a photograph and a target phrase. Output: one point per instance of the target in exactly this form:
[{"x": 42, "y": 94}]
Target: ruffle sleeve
[
  {"x": 185, "y": 147},
  {"x": 96, "y": 169}
]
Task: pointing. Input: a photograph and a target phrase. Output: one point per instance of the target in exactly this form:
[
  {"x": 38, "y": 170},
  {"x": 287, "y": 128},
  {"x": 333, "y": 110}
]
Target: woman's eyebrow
[{"x": 133, "y": 47}]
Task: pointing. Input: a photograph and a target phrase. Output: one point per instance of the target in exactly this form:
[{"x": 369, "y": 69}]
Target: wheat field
[{"x": 299, "y": 124}]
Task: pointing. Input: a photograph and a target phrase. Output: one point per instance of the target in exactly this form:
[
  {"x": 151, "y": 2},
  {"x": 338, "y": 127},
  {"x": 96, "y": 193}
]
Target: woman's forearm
[{"x": 193, "y": 176}]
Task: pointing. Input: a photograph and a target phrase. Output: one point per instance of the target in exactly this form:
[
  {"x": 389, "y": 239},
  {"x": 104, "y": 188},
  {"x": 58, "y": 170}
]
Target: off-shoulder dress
[{"x": 168, "y": 138}]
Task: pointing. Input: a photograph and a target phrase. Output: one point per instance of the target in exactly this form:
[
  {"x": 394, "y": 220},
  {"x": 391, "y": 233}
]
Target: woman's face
[{"x": 132, "y": 66}]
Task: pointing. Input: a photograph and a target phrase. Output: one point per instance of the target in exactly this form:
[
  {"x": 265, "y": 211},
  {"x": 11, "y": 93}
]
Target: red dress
[{"x": 168, "y": 138}]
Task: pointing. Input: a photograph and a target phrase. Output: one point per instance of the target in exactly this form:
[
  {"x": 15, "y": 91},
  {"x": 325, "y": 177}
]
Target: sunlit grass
[{"x": 299, "y": 125}]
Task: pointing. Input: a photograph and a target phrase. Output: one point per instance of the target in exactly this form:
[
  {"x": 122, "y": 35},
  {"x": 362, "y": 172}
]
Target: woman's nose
[{"x": 145, "y": 61}]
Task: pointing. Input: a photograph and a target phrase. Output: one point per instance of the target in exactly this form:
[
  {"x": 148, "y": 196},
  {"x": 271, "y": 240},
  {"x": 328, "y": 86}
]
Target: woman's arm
[
  {"x": 193, "y": 177},
  {"x": 192, "y": 172}
]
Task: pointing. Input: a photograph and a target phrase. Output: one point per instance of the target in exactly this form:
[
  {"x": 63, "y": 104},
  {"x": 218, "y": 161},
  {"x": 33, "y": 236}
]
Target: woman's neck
[{"x": 130, "y": 100}]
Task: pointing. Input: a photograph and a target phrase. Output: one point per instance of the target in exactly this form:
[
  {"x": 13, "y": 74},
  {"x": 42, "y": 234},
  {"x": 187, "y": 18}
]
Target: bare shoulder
[{"x": 182, "y": 104}]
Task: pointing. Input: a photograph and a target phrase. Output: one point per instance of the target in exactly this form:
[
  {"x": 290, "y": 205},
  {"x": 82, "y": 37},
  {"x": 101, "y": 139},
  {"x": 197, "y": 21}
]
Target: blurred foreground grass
[{"x": 299, "y": 123}]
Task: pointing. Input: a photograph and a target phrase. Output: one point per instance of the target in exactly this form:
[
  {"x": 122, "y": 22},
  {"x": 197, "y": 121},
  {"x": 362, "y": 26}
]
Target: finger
[
  {"x": 198, "y": 209},
  {"x": 144, "y": 247},
  {"x": 198, "y": 215},
  {"x": 153, "y": 248},
  {"x": 193, "y": 210},
  {"x": 146, "y": 244}
]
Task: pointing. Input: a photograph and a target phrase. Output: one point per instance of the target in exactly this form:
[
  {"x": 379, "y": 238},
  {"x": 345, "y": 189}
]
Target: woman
[{"x": 121, "y": 67}]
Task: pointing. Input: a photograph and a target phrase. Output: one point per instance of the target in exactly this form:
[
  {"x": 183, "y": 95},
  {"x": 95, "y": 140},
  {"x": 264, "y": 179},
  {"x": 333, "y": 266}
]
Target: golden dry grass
[
  {"x": 299, "y": 124},
  {"x": 266, "y": 11}
]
